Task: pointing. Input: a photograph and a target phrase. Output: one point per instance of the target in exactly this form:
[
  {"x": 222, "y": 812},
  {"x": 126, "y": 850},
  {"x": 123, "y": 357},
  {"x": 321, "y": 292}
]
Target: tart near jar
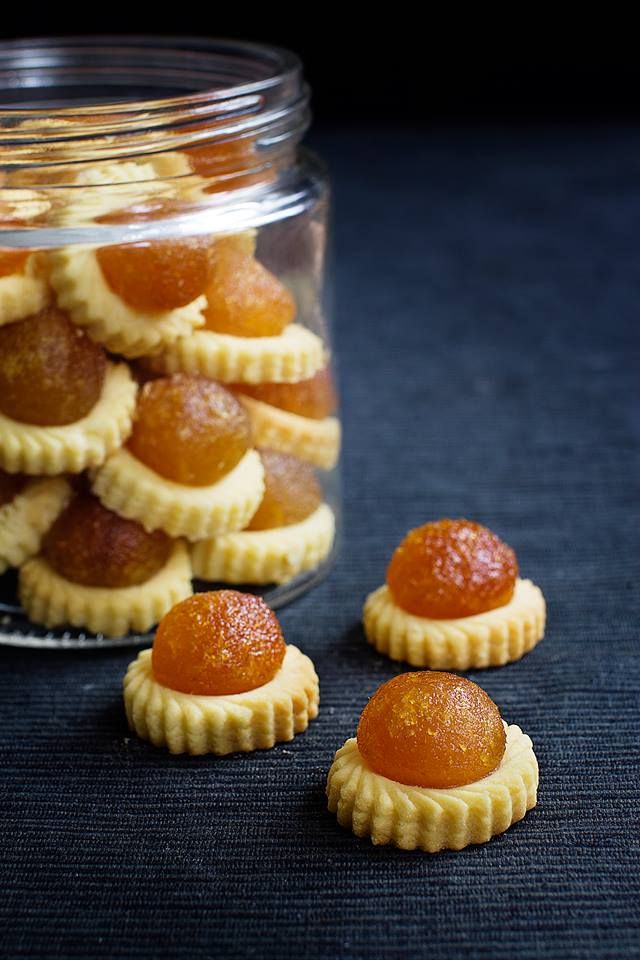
[{"x": 220, "y": 679}]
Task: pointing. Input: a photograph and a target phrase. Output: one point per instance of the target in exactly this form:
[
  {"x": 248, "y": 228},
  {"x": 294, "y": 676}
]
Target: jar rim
[
  {"x": 98, "y": 96},
  {"x": 21, "y": 57}
]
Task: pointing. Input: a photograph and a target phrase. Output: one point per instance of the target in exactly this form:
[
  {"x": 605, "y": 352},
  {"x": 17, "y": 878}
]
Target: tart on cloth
[
  {"x": 292, "y": 530},
  {"x": 453, "y": 600},
  {"x": 433, "y": 767},
  {"x": 28, "y": 507},
  {"x": 63, "y": 406},
  {"x": 187, "y": 468},
  {"x": 296, "y": 418},
  {"x": 100, "y": 571},
  {"x": 220, "y": 679}
]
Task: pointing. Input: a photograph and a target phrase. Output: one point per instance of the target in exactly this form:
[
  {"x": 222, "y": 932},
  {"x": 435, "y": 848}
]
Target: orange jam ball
[
  {"x": 89, "y": 544},
  {"x": 243, "y": 297},
  {"x": 51, "y": 373},
  {"x": 228, "y": 157},
  {"x": 314, "y": 398},
  {"x": 162, "y": 275},
  {"x": 189, "y": 429},
  {"x": 291, "y": 492},
  {"x": 12, "y": 261},
  {"x": 218, "y": 643},
  {"x": 10, "y": 486},
  {"x": 431, "y": 730},
  {"x": 228, "y": 164},
  {"x": 7, "y": 213},
  {"x": 452, "y": 568}
]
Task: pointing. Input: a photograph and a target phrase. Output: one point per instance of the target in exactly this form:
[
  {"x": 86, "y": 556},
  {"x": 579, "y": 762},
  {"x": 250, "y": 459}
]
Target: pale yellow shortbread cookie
[
  {"x": 127, "y": 486},
  {"x": 197, "y": 724},
  {"x": 114, "y": 172},
  {"x": 26, "y": 518},
  {"x": 427, "y": 818},
  {"x": 297, "y": 354},
  {"x": 170, "y": 164},
  {"x": 22, "y": 205},
  {"x": 316, "y": 441},
  {"x": 92, "y": 304},
  {"x": 103, "y": 188},
  {"x": 52, "y": 600},
  {"x": 23, "y": 294},
  {"x": 266, "y": 556},
  {"x": 488, "y": 639},
  {"x": 148, "y": 167},
  {"x": 27, "y": 448}
]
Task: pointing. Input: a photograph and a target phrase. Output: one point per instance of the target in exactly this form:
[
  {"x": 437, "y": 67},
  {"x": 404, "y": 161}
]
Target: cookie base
[
  {"x": 22, "y": 294},
  {"x": 25, "y": 520},
  {"x": 488, "y": 639},
  {"x": 127, "y": 486},
  {"x": 52, "y": 600},
  {"x": 432, "y": 819},
  {"x": 195, "y": 724},
  {"x": 27, "y": 448},
  {"x": 297, "y": 354},
  {"x": 316, "y": 441},
  {"x": 266, "y": 556}
]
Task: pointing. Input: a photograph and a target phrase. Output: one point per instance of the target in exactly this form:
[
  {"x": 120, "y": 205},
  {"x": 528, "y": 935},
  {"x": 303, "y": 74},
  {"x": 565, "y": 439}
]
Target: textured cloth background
[{"x": 488, "y": 299}]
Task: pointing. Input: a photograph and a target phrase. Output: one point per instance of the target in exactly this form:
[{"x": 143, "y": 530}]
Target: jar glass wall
[{"x": 168, "y": 415}]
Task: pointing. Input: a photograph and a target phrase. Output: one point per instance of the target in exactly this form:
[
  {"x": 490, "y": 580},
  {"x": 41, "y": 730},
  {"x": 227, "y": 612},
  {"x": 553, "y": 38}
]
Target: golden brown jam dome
[
  {"x": 51, "y": 373},
  {"x": 218, "y": 643},
  {"x": 452, "y": 568},
  {"x": 95, "y": 547},
  {"x": 189, "y": 429},
  {"x": 431, "y": 729}
]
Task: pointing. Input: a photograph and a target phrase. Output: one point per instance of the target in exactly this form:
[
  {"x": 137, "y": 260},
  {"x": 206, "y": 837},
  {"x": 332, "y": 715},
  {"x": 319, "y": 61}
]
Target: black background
[{"x": 410, "y": 65}]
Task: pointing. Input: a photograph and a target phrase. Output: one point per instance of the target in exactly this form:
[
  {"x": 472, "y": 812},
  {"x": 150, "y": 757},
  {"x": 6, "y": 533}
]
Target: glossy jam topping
[
  {"x": 228, "y": 165},
  {"x": 90, "y": 545},
  {"x": 452, "y": 568},
  {"x": 189, "y": 429},
  {"x": 243, "y": 297},
  {"x": 51, "y": 373},
  {"x": 8, "y": 216},
  {"x": 223, "y": 158},
  {"x": 12, "y": 261},
  {"x": 291, "y": 493},
  {"x": 159, "y": 275},
  {"x": 10, "y": 486},
  {"x": 218, "y": 643},
  {"x": 314, "y": 398},
  {"x": 431, "y": 730}
]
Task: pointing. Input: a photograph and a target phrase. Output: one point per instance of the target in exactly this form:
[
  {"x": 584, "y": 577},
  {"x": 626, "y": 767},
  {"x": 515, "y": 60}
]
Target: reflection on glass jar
[{"x": 168, "y": 414}]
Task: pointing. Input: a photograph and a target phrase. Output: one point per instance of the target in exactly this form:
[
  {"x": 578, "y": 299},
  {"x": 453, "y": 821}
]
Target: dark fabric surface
[{"x": 487, "y": 309}]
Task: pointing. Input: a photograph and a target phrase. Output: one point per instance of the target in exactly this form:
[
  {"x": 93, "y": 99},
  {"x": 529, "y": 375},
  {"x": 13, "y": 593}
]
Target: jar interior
[{"x": 111, "y": 242}]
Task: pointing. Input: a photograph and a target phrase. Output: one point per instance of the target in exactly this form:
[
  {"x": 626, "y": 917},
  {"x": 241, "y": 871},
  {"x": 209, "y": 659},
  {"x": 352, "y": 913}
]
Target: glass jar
[{"x": 163, "y": 323}]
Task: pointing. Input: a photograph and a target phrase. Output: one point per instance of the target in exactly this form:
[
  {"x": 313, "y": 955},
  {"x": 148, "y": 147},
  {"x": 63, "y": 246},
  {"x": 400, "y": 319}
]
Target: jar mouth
[{"x": 88, "y": 99}]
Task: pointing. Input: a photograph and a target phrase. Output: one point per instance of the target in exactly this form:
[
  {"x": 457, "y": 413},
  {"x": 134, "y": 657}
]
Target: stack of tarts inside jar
[{"x": 165, "y": 416}]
